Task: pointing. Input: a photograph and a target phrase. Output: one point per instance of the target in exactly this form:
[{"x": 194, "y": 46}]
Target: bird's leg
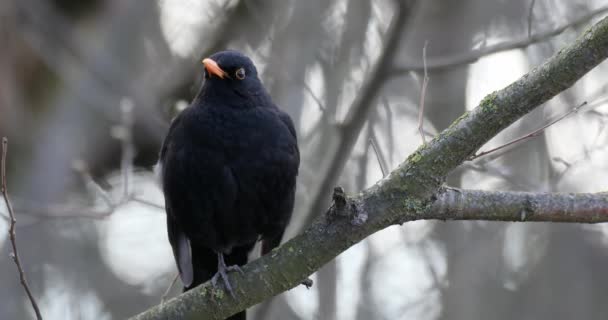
[{"x": 222, "y": 271}]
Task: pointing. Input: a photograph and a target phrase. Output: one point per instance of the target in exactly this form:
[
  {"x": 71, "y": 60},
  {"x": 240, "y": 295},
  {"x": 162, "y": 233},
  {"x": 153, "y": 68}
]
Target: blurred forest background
[{"x": 88, "y": 89}]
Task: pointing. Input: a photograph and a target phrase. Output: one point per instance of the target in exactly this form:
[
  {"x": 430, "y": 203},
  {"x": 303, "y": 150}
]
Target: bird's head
[{"x": 231, "y": 77}]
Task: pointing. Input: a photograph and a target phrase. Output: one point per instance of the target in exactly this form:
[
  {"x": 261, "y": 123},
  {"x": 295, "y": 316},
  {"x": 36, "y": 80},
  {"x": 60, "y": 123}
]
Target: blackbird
[{"x": 228, "y": 169}]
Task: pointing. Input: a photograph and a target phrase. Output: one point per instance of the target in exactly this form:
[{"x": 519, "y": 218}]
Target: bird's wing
[
  {"x": 289, "y": 123},
  {"x": 284, "y": 204},
  {"x": 176, "y": 122},
  {"x": 293, "y": 160},
  {"x": 199, "y": 187},
  {"x": 177, "y": 238},
  {"x": 158, "y": 168},
  {"x": 181, "y": 250}
]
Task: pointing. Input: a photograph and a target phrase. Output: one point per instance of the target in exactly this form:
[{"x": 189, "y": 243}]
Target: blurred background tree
[{"x": 88, "y": 89}]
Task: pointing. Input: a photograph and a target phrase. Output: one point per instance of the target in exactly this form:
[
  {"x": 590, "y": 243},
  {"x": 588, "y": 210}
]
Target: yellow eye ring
[{"x": 240, "y": 74}]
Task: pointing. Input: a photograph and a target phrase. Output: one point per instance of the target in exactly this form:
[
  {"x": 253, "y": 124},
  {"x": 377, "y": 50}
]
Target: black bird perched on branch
[{"x": 228, "y": 168}]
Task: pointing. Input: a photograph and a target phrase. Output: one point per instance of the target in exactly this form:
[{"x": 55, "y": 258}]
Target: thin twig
[
  {"x": 590, "y": 111},
  {"x": 389, "y": 127},
  {"x": 530, "y": 17},
  {"x": 562, "y": 161},
  {"x": 62, "y": 211},
  {"x": 147, "y": 203},
  {"x": 532, "y": 134},
  {"x": 163, "y": 298},
  {"x": 82, "y": 168},
  {"x": 598, "y": 102},
  {"x": 425, "y": 82},
  {"x": 314, "y": 96},
  {"x": 379, "y": 157},
  {"x": 11, "y": 231},
  {"x": 128, "y": 150}
]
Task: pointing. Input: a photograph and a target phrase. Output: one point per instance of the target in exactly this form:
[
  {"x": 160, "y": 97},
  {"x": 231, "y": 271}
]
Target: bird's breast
[{"x": 254, "y": 131}]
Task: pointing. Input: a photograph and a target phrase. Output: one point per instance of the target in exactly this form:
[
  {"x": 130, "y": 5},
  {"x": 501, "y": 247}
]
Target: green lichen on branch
[
  {"x": 489, "y": 104},
  {"x": 417, "y": 206}
]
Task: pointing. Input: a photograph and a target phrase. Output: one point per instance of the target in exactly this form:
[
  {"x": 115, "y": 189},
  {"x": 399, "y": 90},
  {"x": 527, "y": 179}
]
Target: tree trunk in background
[{"x": 562, "y": 250}]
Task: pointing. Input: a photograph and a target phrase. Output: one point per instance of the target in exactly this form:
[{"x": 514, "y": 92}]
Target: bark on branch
[
  {"x": 454, "y": 204},
  {"x": 413, "y": 191}
]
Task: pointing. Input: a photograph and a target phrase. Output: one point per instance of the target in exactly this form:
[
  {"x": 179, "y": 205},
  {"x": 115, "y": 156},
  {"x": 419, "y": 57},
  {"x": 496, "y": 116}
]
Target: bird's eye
[{"x": 240, "y": 74}]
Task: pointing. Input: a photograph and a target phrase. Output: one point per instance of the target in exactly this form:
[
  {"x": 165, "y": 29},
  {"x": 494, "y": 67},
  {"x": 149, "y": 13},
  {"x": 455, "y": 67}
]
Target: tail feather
[{"x": 204, "y": 265}]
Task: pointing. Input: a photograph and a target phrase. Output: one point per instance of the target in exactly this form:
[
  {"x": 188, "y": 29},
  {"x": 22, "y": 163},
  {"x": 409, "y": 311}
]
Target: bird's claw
[
  {"x": 222, "y": 272},
  {"x": 235, "y": 268}
]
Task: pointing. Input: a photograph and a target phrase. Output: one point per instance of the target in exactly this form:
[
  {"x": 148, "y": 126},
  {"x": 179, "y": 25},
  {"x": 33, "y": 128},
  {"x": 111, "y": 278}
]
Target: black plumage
[{"x": 228, "y": 168}]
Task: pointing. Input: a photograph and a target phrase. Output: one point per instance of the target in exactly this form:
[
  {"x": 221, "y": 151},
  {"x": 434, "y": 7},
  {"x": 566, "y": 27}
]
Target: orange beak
[{"x": 213, "y": 68}]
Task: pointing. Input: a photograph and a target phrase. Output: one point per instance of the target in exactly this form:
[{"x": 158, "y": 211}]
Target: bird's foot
[
  {"x": 235, "y": 268},
  {"x": 222, "y": 272}
]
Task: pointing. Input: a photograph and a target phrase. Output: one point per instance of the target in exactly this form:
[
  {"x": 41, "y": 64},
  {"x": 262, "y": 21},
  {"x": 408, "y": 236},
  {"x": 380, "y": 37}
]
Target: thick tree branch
[
  {"x": 344, "y": 224},
  {"x": 411, "y": 192},
  {"x": 520, "y": 206}
]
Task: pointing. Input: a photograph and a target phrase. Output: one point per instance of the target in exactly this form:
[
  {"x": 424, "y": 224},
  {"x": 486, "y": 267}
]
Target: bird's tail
[{"x": 204, "y": 265}]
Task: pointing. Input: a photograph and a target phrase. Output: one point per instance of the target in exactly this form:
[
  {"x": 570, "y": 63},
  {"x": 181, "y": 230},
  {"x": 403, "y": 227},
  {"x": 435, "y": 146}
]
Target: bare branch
[
  {"x": 569, "y": 165},
  {"x": 288, "y": 265},
  {"x": 530, "y": 17},
  {"x": 163, "y": 298},
  {"x": 146, "y": 202},
  {"x": 62, "y": 211},
  {"x": 128, "y": 149},
  {"x": 532, "y": 134},
  {"x": 425, "y": 82},
  {"x": 82, "y": 169},
  {"x": 379, "y": 157},
  {"x": 521, "y": 206},
  {"x": 11, "y": 231},
  {"x": 313, "y": 95},
  {"x": 475, "y": 54}
]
